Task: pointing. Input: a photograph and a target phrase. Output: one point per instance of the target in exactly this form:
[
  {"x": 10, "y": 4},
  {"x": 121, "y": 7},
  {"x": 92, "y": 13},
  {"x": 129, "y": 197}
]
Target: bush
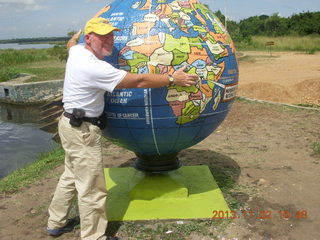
[
  {"x": 8, "y": 73},
  {"x": 59, "y": 51},
  {"x": 315, "y": 146}
]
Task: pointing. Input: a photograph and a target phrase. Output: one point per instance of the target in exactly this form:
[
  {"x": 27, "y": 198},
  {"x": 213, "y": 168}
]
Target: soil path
[{"x": 267, "y": 147}]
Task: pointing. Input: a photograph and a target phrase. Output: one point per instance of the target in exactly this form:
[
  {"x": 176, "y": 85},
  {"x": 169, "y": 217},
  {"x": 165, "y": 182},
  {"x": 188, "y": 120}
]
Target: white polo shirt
[{"x": 86, "y": 81}]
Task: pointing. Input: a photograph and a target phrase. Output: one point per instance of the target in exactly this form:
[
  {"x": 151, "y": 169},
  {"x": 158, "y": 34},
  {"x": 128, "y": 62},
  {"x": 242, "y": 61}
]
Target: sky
[{"x": 55, "y": 18}]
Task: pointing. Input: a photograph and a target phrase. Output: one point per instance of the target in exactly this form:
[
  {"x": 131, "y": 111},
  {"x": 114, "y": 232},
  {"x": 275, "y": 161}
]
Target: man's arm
[
  {"x": 73, "y": 40},
  {"x": 180, "y": 78}
]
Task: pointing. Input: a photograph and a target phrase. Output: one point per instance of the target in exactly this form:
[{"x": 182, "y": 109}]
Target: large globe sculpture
[{"x": 160, "y": 36}]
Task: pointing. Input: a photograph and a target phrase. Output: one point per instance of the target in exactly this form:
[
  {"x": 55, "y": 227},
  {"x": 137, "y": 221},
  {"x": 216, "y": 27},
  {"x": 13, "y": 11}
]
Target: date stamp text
[{"x": 262, "y": 215}]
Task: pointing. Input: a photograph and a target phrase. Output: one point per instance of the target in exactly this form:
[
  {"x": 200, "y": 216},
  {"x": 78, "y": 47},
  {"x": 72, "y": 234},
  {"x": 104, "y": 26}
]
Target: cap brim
[{"x": 106, "y": 31}]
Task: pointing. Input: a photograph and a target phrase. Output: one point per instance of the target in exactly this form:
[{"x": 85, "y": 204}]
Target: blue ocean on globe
[{"x": 161, "y": 36}]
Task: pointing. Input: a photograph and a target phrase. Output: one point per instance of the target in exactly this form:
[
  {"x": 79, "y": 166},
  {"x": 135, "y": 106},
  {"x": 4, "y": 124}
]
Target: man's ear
[{"x": 87, "y": 38}]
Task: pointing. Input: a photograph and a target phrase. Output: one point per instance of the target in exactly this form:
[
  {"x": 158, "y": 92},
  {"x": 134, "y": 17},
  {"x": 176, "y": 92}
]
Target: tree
[
  {"x": 275, "y": 26},
  {"x": 220, "y": 15},
  {"x": 305, "y": 23}
]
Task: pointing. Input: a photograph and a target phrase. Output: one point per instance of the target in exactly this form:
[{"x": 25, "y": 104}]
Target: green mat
[{"x": 187, "y": 193}]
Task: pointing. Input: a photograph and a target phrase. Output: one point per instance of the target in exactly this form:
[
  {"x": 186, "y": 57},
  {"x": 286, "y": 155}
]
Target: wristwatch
[{"x": 171, "y": 80}]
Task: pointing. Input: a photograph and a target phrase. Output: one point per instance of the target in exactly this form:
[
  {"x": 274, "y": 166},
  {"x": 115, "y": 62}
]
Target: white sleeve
[{"x": 106, "y": 76}]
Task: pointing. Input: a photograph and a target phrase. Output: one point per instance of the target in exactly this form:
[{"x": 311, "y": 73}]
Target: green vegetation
[
  {"x": 8, "y": 73},
  {"x": 307, "y": 44},
  {"x": 32, "y": 172},
  {"x": 44, "y": 73},
  {"x": 308, "y": 105},
  {"x": 315, "y": 146},
  {"x": 299, "y": 32},
  {"x": 42, "y": 64},
  {"x": 302, "y": 24},
  {"x": 11, "y": 57},
  {"x": 169, "y": 229}
]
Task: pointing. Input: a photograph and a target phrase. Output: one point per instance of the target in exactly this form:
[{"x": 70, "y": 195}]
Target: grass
[
  {"x": 32, "y": 172},
  {"x": 42, "y": 64},
  {"x": 308, "y": 105},
  {"x": 7, "y": 73},
  {"x": 12, "y": 57},
  {"x": 307, "y": 44},
  {"x": 315, "y": 146},
  {"x": 44, "y": 73},
  {"x": 169, "y": 229}
]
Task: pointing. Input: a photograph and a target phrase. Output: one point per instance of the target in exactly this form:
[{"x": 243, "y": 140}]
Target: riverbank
[
  {"x": 33, "y": 172},
  {"x": 17, "y": 91}
]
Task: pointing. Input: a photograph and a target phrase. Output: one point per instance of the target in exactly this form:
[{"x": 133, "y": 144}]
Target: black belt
[{"x": 93, "y": 120}]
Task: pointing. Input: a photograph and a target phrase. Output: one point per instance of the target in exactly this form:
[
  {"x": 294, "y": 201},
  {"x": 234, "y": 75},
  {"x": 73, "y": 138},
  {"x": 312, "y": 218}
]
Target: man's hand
[
  {"x": 184, "y": 79},
  {"x": 76, "y": 36}
]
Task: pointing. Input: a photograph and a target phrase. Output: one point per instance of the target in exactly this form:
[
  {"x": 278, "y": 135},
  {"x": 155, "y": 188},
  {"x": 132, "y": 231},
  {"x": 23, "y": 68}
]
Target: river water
[
  {"x": 24, "y": 46},
  {"x": 21, "y": 140}
]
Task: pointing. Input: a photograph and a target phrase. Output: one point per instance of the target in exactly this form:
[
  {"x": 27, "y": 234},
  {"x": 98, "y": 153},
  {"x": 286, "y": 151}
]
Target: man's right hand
[{"x": 184, "y": 79}]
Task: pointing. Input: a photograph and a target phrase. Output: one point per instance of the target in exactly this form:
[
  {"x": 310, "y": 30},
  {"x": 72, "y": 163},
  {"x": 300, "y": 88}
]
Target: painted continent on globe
[{"x": 161, "y": 36}]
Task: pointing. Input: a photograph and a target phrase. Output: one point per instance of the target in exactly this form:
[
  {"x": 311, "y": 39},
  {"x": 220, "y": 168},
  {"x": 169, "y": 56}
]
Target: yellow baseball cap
[{"x": 99, "y": 26}]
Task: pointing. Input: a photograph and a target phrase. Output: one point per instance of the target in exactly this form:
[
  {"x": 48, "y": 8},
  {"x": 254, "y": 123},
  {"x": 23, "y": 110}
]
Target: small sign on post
[{"x": 271, "y": 43}]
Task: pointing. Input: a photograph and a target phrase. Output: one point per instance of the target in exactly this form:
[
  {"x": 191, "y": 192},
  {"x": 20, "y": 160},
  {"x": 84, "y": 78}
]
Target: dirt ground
[
  {"x": 287, "y": 77},
  {"x": 267, "y": 147}
]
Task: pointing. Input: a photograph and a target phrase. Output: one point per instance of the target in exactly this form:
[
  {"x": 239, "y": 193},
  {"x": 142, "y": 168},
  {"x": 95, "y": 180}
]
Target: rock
[{"x": 262, "y": 181}]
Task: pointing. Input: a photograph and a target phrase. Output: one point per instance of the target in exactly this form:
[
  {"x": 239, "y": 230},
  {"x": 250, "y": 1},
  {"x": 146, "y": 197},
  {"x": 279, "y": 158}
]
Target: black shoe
[
  {"x": 71, "y": 224},
  {"x": 113, "y": 238}
]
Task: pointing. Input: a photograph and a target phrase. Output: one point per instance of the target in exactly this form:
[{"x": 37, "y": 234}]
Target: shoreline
[
  {"x": 17, "y": 92},
  {"x": 18, "y": 179}
]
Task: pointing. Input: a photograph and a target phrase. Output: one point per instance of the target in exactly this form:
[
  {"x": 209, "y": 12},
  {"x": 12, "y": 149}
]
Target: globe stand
[
  {"x": 157, "y": 163},
  {"x": 189, "y": 192}
]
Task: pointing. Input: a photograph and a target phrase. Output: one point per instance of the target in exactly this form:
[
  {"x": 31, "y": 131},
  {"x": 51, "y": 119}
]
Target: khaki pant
[{"x": 84, "y": 175}]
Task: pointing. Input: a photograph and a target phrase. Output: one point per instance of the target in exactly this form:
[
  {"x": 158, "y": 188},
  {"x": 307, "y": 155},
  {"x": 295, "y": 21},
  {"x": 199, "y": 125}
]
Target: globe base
[{"x": 157, "y": 163}]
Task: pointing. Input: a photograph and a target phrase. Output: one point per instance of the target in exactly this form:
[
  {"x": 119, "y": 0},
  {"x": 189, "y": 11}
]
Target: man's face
[{"x": 100, "y": 45}]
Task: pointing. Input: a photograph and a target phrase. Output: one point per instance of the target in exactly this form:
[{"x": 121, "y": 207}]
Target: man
[{"x": 87, "y": 78}]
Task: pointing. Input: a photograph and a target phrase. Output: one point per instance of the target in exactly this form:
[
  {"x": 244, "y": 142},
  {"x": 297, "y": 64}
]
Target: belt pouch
[{"x": 76, "y": 118}]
